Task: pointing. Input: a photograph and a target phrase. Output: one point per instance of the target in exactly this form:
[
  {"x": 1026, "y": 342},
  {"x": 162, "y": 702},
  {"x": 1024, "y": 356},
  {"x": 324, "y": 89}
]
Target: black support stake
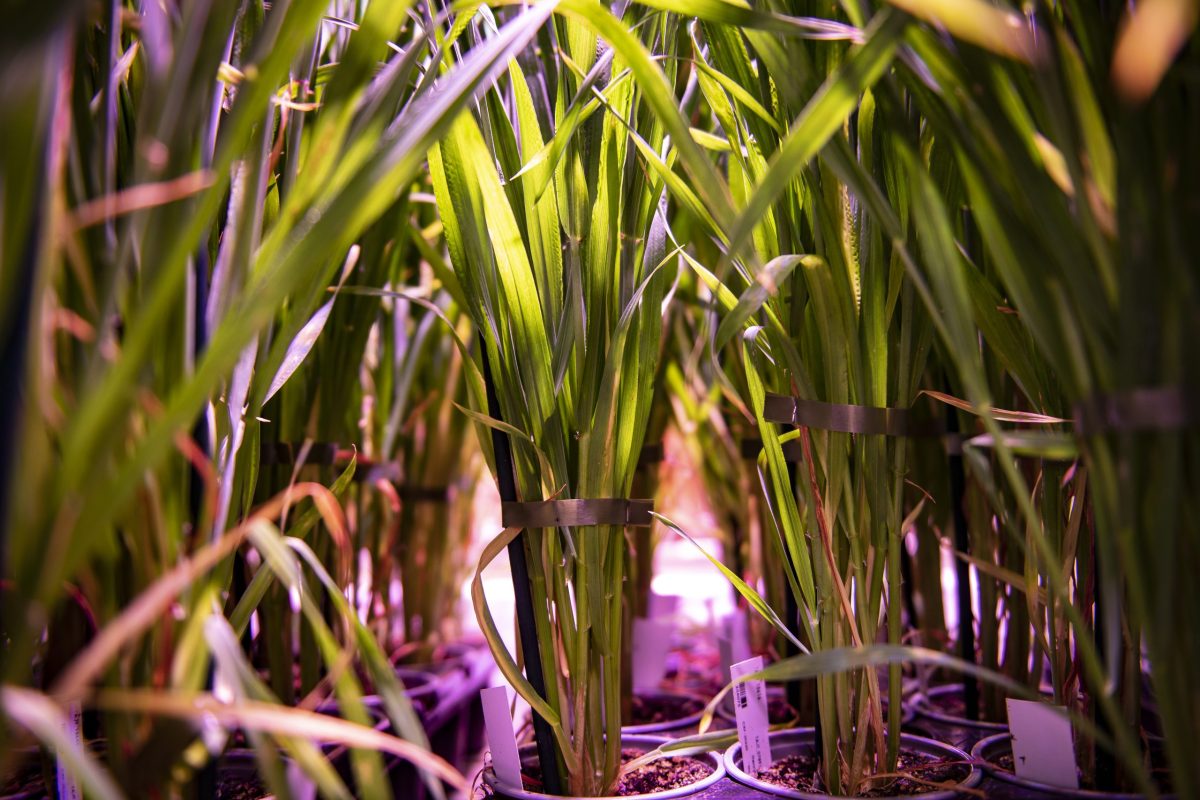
[
  {"x": 962, "y": 542},
  {"x": 526, "y": 626}
]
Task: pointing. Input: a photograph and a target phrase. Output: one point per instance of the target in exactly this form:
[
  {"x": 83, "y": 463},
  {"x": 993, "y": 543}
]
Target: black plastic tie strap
[
  {"x": 374, "y": 472},
  {"x": 847, "y": 418},
  {"x": 423, "y": 494},
  {"x": 1163, "y": 408},
  {"x": 319, "y": 453},
  {"x": 577, "y": 513},
  {"x": 793, "y": 452}
]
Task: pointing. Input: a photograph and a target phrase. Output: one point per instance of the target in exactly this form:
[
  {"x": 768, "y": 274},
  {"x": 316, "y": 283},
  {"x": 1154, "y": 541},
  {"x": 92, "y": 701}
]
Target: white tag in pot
[
  {"x": 733, "y": 642},
  {"x": 1042, "y": 747},
  {"x": 506, "y": 761},
  {"x": 737, "y": 628},
  {"x": 299, "y": 784},
  {"x": 753, "y": 724},
  {"x": 68, "y": 787},
  {"x": 651, "y": 643},
  {"x": 662, "y": 605}
]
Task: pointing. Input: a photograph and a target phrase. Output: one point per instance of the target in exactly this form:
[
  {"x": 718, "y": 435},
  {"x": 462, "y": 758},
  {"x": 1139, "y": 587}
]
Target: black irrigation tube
[{"x": 526, "y": 625}]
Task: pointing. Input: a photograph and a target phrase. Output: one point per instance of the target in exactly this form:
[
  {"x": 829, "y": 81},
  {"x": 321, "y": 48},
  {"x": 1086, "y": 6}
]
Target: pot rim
[
  {"x": 799, "y": 736},
  {"x": 669, "y": 724},
  {"x": 907, "y": 716},
  {"x": 985, "y": 748},
  {"x": 921, "y": 705},
  {"x": 651, "y": 742},
  {"x": 429, "y": 687}
]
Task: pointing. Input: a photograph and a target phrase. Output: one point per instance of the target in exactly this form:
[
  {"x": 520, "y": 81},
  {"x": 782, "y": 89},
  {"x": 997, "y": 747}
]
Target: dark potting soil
[
  {"x": 657, "y": 776},
  {"x": 661, "y": 775},
  {"x": 916, "y": 773},
  {"x": 241, "y": 786},
  {"x": 663, "y": 708},
  {"x": 26, "y": 777}
]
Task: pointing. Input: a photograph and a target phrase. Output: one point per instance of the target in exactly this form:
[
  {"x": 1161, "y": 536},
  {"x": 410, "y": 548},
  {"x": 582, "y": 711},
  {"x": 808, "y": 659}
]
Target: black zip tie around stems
[
  {"x": 1158, "y": 408},
  {"x": 847, "y": 418},
  {"x": 330, "y": 454},
  {"x": 577, "y": 513},
  {"x": 319, "y": 453}
]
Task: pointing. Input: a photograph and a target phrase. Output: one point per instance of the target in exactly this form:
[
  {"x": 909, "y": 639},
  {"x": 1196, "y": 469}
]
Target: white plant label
[
  {"x": 1042, "y": 747},
  {"x": 733, "y": 642},
  {"x": 651, "y": 644},
  {"x": 299, "y": 784},
  {"x": 737, "y": 628},
  {"x": 725, "y": 651},
  {"x": 662, "y": 605},
  {"x": 506, "y": 761},
  {"x": 750, "y": 708},
  {"x": 68, "y": 787}
]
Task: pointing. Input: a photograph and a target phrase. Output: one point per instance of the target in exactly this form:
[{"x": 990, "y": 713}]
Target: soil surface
[
  {"x": 25, "y": 777},
  {"x": 661, "y": 775},
  {"x": 916, "y": 773},
  {"x": 657, "y": 776},
  {"x": 241, "y": 787},
  {"x": 665, "y": 708}
]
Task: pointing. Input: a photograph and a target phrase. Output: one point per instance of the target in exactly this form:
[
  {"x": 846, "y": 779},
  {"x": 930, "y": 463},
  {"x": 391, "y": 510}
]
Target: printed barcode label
[
  {"x": 68, "y": 787},
  {"x": 753, "y": 726}
]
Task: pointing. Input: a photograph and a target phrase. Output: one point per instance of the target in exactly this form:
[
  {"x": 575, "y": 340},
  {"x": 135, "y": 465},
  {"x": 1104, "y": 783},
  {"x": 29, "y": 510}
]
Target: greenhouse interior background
[{"x": 710, "y": 399}]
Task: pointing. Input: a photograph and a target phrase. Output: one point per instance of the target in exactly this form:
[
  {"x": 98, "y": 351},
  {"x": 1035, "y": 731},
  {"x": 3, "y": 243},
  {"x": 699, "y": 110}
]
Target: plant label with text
[
  {"x": 651, "y": 644},
  {"x": 506, "y": 761},
  {"x": 750, "y": 708},
  {"x": 1042, "y": 747},
  {"x": 737, "y": 628},
  {"x": 68, "y": 787}
]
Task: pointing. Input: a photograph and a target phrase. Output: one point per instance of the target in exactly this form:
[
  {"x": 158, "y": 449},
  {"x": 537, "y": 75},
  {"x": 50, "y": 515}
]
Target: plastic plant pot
[
  {"x": 637, "y": 742},
  {"x": 801, "y": 740},
  {"x": 925, "y": 704},
  {"x": 934, "y": 720},
  {"x": 677, "y": 726},
  {"x": 421, "y": 688},
  {"x": 726, "y": 716},
  {"x": 455, "y": 725},
  {"x": 988, "y": 750}
]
